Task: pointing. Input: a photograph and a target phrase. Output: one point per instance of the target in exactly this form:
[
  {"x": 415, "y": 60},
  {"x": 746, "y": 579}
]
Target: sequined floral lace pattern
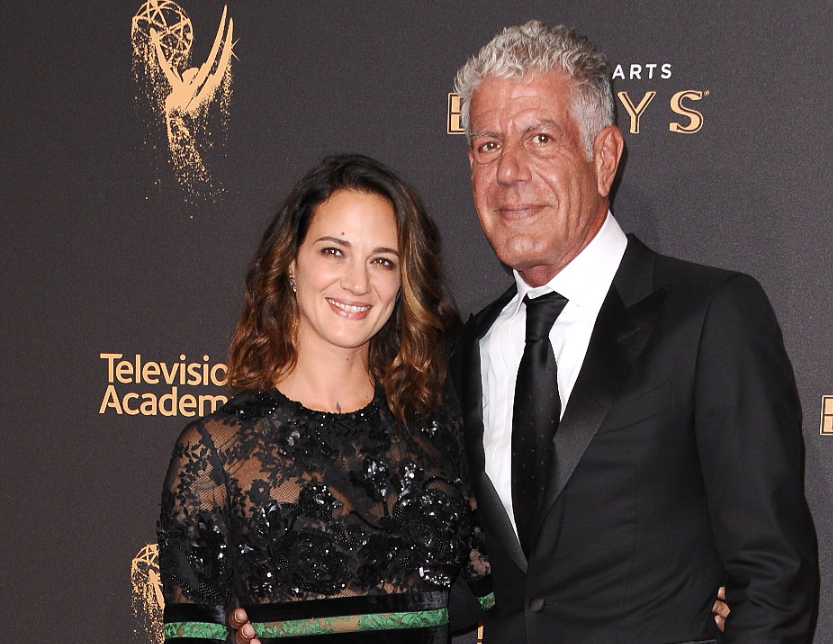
[{"x": 270, "y": 502}]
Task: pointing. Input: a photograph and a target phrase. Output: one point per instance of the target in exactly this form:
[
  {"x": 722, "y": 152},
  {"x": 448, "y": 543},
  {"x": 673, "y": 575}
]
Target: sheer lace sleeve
[
  {"x": 447, "y": 445},
  {"x": 193, "y": 540},
  {"x": 475, "y": 570}
]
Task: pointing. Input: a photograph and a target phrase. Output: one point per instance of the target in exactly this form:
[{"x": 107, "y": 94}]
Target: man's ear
[{"x": 607, "y": 151}]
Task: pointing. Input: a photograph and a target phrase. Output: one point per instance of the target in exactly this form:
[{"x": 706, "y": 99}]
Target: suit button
[{"x": 536, "y": 605}]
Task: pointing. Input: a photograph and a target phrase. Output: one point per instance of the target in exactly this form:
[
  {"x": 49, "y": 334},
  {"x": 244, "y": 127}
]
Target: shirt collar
[{"x": 586, "y": 280}]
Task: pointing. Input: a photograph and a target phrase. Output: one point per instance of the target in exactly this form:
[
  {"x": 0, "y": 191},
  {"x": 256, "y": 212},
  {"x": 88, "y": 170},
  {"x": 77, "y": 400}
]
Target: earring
[{"x": 292, "y": 283}]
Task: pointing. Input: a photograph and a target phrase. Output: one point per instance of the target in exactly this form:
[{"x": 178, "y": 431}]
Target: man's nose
[{"x": 513, "y": 164}]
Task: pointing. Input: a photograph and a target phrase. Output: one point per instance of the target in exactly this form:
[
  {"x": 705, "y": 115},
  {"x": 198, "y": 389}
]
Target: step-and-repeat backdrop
[{"x": 146, "y": 145}]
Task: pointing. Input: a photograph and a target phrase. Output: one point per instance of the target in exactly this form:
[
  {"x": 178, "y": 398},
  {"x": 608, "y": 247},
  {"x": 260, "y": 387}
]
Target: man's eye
[
  {"x": 542, "y": 139},
  {"x": 486, "y": 151}
]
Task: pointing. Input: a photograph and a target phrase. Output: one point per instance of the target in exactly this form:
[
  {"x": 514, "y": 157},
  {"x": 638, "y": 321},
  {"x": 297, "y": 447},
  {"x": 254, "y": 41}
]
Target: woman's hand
[
  {"x": 244, "y": 633},
  {"x": 720, "y": 609}
]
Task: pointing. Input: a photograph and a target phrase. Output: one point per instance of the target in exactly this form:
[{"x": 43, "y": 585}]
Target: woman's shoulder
[
  {"x": 237, "y": 416},
  {"x": 252, "y": 405},
  {"x": 437, "y": 431},
  {"x": 445, "y": 418}
]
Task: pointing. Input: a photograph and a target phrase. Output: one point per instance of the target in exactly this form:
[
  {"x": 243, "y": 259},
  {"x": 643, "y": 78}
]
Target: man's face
[{"x": 539, "y": 200}]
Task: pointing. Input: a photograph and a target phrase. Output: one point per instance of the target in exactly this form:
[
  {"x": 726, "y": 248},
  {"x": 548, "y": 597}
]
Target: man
[
  {"x": 669, "y": 460},
  {"x": 661, "y": 456}
]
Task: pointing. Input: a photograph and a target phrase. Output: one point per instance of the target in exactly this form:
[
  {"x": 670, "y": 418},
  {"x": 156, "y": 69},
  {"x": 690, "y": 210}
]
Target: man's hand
[
  {"x": 720, "y": 610},
  {"x": 245, "y": 634}
]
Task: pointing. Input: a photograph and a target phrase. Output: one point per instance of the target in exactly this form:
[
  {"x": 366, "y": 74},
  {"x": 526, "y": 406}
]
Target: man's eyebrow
[
  {"x": 533, "y": 127},
  {"x": 486, "y": 133},
  {"x": 542, "y": 125}
]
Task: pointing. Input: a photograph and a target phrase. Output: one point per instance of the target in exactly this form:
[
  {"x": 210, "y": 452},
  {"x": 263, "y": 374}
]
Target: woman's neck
[{"x": 335, "y": 381}]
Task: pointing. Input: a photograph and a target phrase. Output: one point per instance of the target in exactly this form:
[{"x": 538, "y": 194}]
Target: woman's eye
[
  {"x": 335, "y": 252},
  {"x": 384, "y": 261}
]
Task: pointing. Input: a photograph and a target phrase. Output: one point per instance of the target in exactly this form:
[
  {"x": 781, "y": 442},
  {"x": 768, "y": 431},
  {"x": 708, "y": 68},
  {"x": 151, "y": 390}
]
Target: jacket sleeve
[{"x": 748, "y": 424}]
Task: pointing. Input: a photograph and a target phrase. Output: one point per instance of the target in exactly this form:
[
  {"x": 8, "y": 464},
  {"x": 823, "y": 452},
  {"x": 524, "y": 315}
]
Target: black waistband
[
  {"x": 304, "y": 609},
  {"x": 409, "y": 636},
  {"x": 194, "y": 613}
]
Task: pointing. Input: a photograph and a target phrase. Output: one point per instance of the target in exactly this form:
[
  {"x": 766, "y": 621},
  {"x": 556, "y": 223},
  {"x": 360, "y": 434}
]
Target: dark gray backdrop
[{"x": 106, "y": 252}]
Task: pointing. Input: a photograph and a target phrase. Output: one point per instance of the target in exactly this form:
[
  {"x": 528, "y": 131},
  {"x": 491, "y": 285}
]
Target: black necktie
[{"x": 535, "y": 415}]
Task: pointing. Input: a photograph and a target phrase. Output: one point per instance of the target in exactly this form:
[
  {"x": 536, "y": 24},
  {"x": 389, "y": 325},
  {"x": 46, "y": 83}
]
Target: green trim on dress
[
  {"x": 487, "y": 602},
  {"x": 198, "y": 630},
  {"x": 353, "y": 623}
]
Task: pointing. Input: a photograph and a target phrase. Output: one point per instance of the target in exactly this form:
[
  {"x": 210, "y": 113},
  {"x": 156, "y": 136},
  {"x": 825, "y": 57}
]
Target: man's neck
[{"x": 541, "y": 274}]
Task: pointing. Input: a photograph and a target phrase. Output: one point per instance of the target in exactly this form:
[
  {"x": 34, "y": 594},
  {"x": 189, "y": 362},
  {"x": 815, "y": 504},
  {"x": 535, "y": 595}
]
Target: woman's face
[{"x": 347, "y": 272}]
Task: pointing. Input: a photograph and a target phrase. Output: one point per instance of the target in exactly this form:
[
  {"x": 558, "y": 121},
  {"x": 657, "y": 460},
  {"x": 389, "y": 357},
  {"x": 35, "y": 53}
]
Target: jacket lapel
[
  {"x": 619, "y": 336},
  {"x": 490, "y": 508}
]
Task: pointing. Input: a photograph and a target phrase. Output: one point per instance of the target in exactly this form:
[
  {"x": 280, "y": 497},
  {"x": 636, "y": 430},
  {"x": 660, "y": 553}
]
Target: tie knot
[{"x": 541, "y": 314}]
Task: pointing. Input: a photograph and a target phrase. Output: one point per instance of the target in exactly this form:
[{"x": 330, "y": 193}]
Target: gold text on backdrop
[
  {"x": 679, "y": 102},
  {"x": 826, "y": 428},
  {"x": 453, "y": 124},
  {"x": 172, "y": 400}
]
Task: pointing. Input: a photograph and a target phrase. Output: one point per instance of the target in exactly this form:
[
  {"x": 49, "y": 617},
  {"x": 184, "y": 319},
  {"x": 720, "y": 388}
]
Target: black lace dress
[{"x": 338, "y": 527}]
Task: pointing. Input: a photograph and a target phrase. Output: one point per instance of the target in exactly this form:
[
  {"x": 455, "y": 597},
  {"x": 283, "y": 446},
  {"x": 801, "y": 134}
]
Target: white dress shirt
[{"x": 585, "y": 282}]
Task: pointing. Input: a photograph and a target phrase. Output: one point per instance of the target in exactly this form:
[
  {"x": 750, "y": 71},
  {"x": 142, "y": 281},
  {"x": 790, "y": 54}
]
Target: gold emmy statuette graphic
[
  {"x": 826, "y": 428},
  {"x": 162, "y": 36},
  {"x": 147, "y": 595}
]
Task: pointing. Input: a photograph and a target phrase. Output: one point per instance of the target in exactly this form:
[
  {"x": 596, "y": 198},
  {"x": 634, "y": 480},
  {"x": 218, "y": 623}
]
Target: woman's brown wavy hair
[{"x": 408, "y": 356}]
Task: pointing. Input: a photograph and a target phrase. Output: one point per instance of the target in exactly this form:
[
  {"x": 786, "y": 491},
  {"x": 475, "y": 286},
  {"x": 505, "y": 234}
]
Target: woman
[{"x": 329, "y": 497}]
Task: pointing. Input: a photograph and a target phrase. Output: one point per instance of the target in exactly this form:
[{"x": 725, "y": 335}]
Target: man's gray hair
[{"x": 521, "y": 51}]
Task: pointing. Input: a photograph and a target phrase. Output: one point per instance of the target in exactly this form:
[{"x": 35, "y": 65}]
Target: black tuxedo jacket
[{"x": 678, "y": 469}]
